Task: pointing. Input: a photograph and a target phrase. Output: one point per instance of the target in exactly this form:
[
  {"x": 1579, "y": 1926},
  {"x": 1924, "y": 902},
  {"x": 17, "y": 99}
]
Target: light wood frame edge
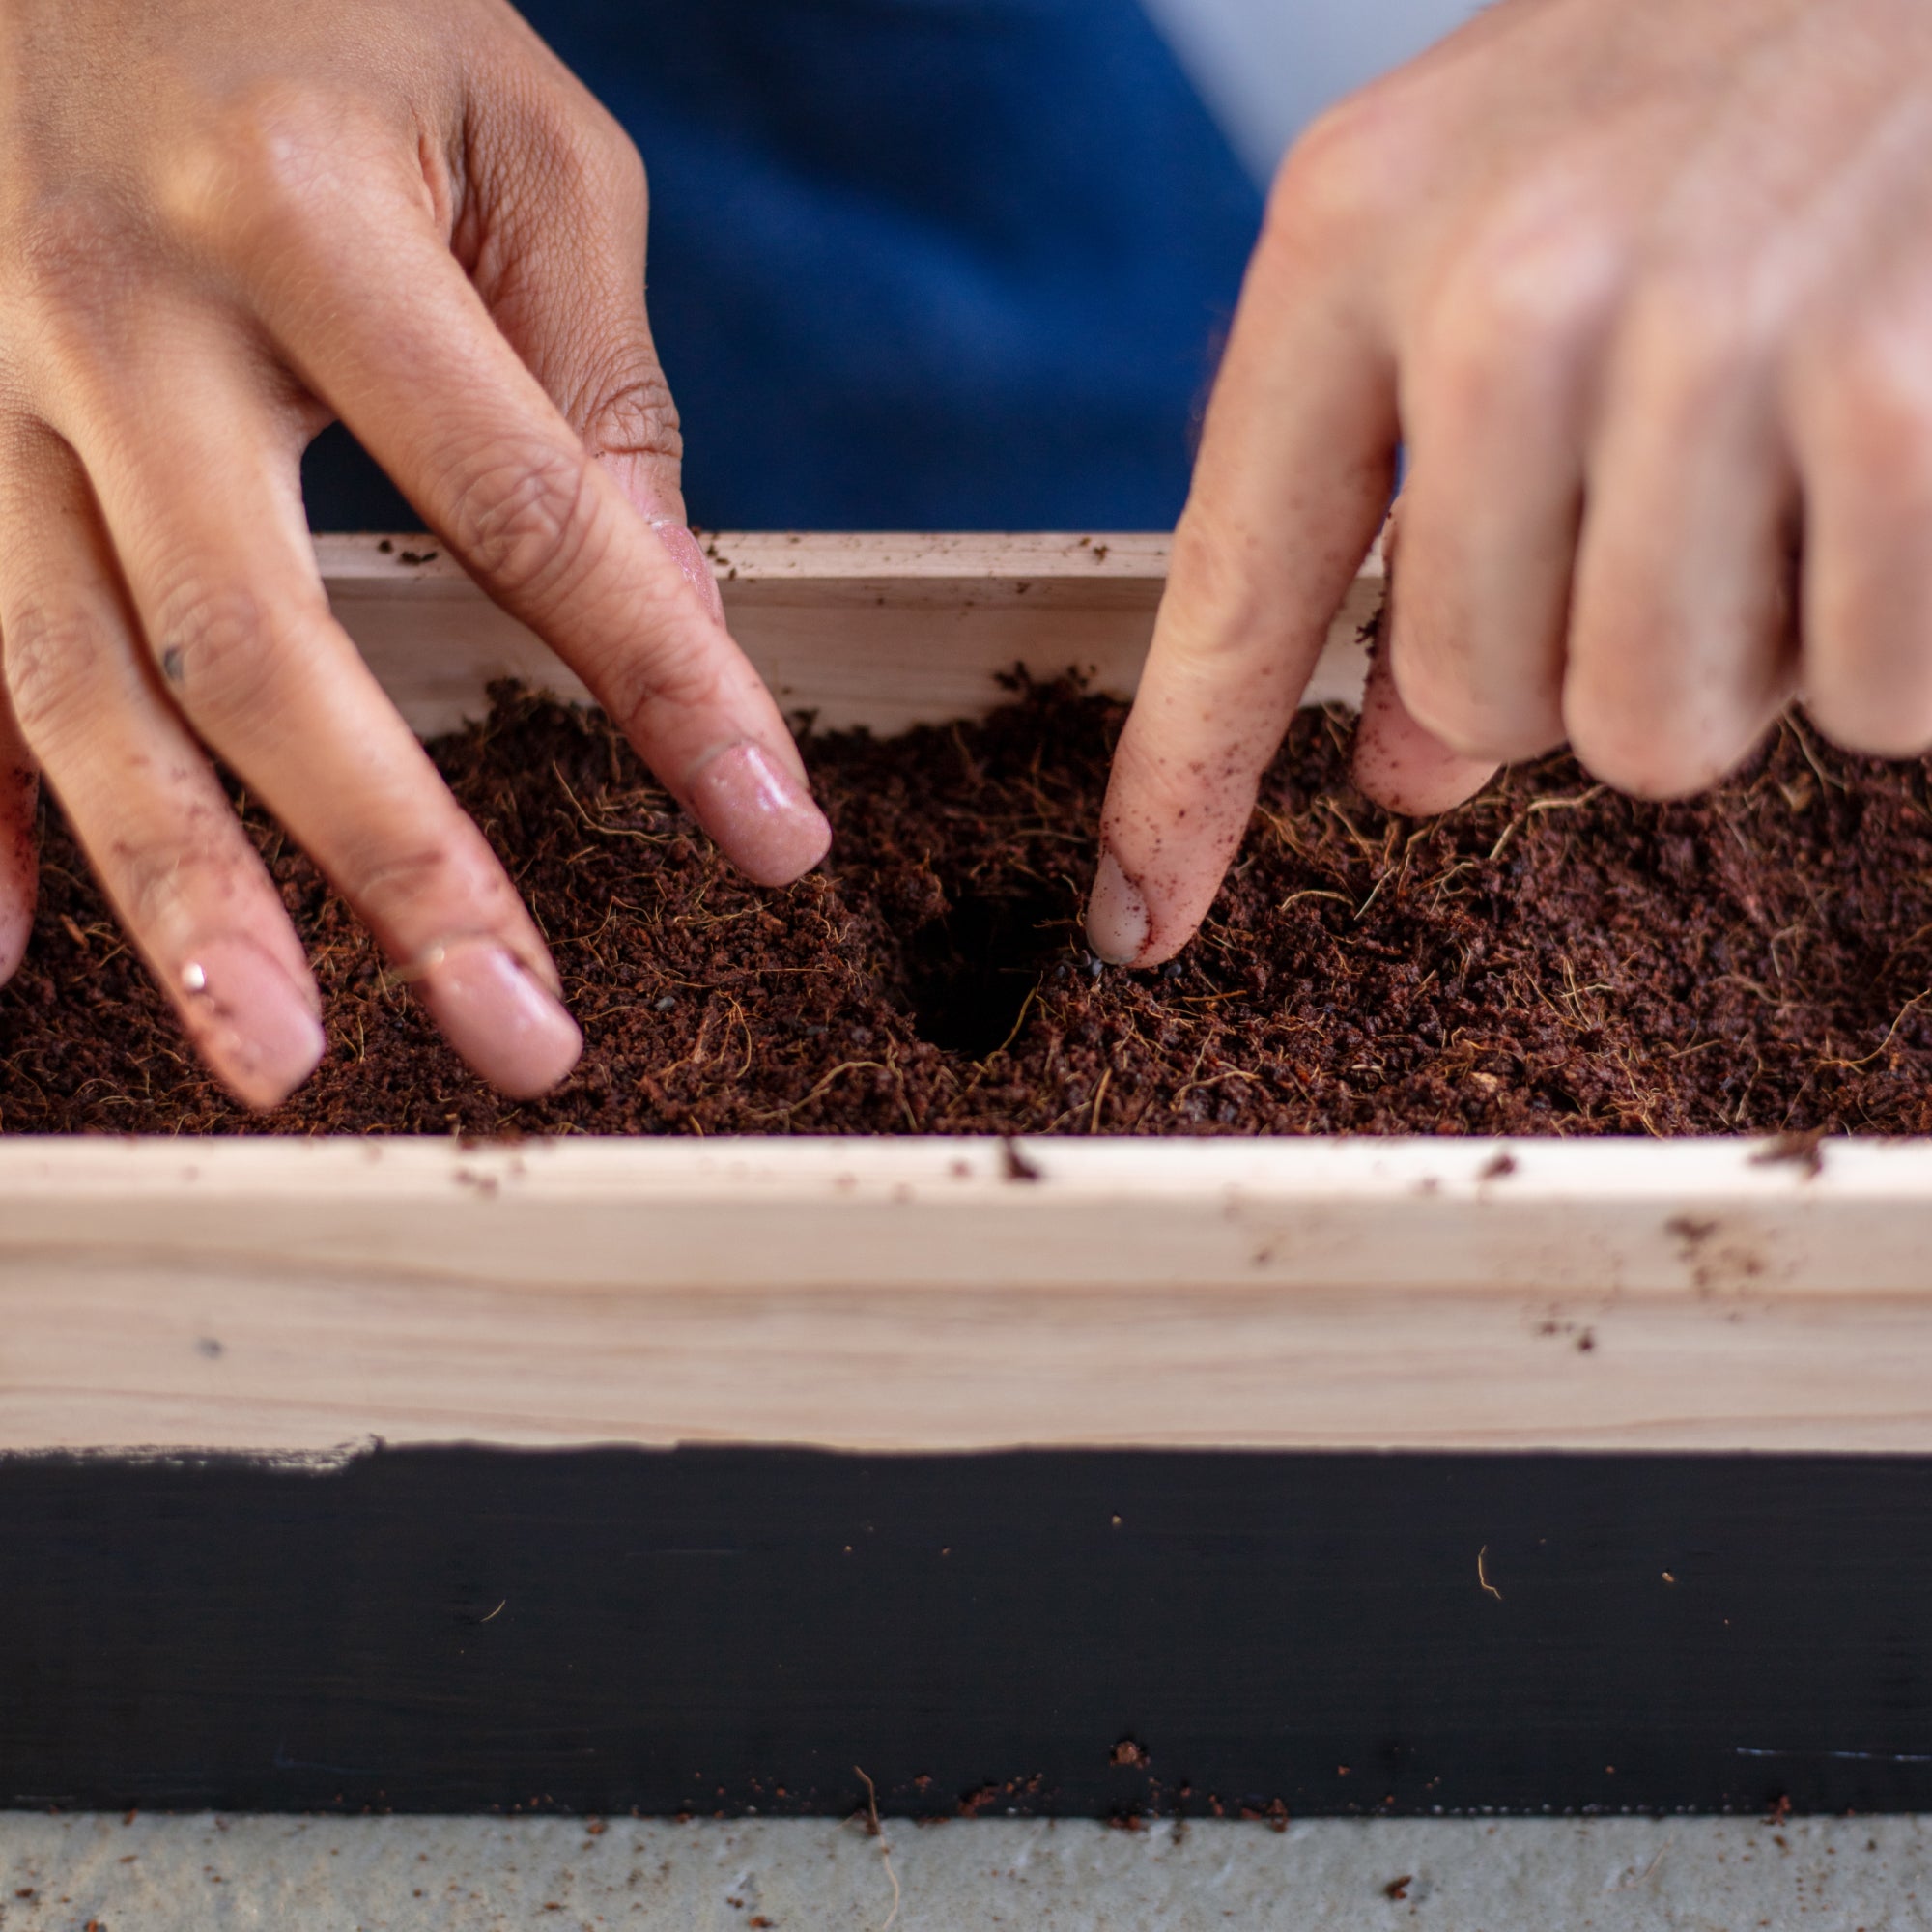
[
  {"x": 933, "y": 1295},
  {"x": 881, "y": 631},
  {"x": 946, "y": 1296}
]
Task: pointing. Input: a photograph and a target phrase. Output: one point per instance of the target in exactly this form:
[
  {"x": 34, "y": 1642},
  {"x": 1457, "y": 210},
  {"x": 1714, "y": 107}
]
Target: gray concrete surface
[{"x": 407, "y": 1875}]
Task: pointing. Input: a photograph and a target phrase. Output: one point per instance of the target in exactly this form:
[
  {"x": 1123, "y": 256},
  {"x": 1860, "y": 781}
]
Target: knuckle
[
  {"x": 221, "y": 644},
  {"x": 164, "y": 878},
  {"x": 50, "y": 652},
  {"x": 1229, "y": 614},
  {"x": 433, "y": 880},
  {"x": 1160, "y": 784},
  {"x": 523, "y": 516},
  {"x": 1695, "y": 329},
  {"x": 413, "y": 875},
  {"x": 258, "y": 158},
  {"x": 1435, "y": 691},
  {"x": 1483, "y": 679},
  {"x": 75, "y": 265},
  {"x": 440, "y": 882},
  {"x": 1865, "y": 401},
  {"x": 672, "y": 668},
  {"x": 1523, "y": 302},
  {"x": 615, "y": 159},
  {"x": 570, "y": 145},
  {"x": 629, "y": 414},
  {"x": 1352, "y": 169},
  {"x": 1176, "y": 810}
]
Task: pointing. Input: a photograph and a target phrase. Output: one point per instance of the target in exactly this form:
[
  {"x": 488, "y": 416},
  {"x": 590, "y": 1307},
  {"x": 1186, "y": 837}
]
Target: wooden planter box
[{"x": 691, "y": 1475}]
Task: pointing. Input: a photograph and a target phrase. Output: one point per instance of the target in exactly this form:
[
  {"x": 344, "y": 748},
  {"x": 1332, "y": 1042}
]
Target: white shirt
[{"x": 1266, "y": 68}]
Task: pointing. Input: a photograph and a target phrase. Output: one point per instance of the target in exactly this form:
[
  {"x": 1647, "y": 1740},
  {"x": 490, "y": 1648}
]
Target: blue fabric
[{"x": 939, "y": 264}]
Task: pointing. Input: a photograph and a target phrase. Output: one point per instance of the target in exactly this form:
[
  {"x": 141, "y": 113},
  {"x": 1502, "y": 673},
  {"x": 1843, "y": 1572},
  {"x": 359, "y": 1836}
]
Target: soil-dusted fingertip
[
  {"x": 766, "y": 822},
  {"x": 1417, "y": 787},
  {"x": 251, "y": 1023},
  {"x": 497, "y": 1015},
  {"x": 1401, "y": 765},
  {"x": 1117, "y": 925}
]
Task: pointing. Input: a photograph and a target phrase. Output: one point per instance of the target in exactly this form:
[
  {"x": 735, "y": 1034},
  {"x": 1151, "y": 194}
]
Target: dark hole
[{"x": 971, "y": 971}]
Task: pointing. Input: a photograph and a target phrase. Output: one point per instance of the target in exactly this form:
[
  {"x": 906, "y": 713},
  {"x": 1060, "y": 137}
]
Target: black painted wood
[{"x": 456, "y": 1630}]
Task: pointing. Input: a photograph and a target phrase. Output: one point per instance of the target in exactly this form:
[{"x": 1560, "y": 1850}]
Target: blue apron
[{"x": 923, "y": 263}]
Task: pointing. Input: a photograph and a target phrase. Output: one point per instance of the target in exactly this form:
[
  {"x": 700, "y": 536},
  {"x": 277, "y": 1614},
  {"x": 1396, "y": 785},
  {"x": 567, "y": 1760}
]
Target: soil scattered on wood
[{"x": 1548, "y": 959}]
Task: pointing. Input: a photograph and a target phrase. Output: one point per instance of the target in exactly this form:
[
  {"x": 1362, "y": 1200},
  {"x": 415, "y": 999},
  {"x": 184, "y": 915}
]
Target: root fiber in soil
[{"x": 1551, "y": 958}]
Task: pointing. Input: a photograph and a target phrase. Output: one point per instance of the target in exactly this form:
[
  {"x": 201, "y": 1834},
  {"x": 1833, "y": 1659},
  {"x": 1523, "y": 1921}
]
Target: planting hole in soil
[{"x": 971, "y": 971}]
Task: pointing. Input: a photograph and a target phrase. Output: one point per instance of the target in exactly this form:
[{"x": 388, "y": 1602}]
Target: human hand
[
  {"x": 1644, "y": 290},
  {"x": 222, "y": 224}
]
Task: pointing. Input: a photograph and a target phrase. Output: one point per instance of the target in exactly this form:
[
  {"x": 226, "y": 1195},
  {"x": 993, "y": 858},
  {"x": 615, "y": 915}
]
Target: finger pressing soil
[{"x": 1550, "y": 958}]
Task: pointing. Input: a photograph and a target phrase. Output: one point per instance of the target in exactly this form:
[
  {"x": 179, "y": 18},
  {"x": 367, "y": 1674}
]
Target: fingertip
[
  {"x": 1118, "y": 922},
  {"x": 252, "y": 1024},
  {"x": 762, "y": 818},
  {"x": 1401, "y": 764},
  {"x": 1417, "y": 782},
  {"x": 497, "y": 1015},
  {"x": 785, "y": 862},
  {"x": 262, "y": 1093}
]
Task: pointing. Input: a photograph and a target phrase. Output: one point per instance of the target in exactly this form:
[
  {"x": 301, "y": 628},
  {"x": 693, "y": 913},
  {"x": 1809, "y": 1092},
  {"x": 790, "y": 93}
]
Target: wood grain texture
[
  {"x": 912, "y": 1295},
  {"x": 877, "y": 630}
]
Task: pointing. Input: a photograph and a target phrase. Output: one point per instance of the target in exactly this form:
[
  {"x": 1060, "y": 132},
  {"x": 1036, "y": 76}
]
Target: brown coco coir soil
[{"x": 1548, "y": 959}]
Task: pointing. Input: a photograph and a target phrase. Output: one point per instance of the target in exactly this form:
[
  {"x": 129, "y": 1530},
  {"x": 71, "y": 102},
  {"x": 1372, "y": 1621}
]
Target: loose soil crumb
[{"x": 1548, "y": 959}]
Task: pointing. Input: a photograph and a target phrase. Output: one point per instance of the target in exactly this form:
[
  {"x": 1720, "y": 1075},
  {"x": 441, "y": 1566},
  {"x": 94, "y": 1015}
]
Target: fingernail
[
  {"x": 16, "y": 928},
  {"x": 19, "y": 869},
  {"x": 497, "y": 1016},
  {"x": 1116, "y": 915},
  {"x": 251, "y": 1022},
  {"x": 687, "y": 553},
  {"x": 761, "y": 814}
]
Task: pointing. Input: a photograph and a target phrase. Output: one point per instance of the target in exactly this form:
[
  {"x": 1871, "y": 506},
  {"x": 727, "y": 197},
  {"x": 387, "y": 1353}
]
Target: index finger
[
  {"x": 1294, "y": 476},
  {"x": 365, "y": 297}
]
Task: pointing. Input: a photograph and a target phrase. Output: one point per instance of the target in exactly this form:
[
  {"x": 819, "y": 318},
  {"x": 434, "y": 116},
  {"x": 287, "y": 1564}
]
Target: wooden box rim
[{"x": 304, "y": 1297}]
